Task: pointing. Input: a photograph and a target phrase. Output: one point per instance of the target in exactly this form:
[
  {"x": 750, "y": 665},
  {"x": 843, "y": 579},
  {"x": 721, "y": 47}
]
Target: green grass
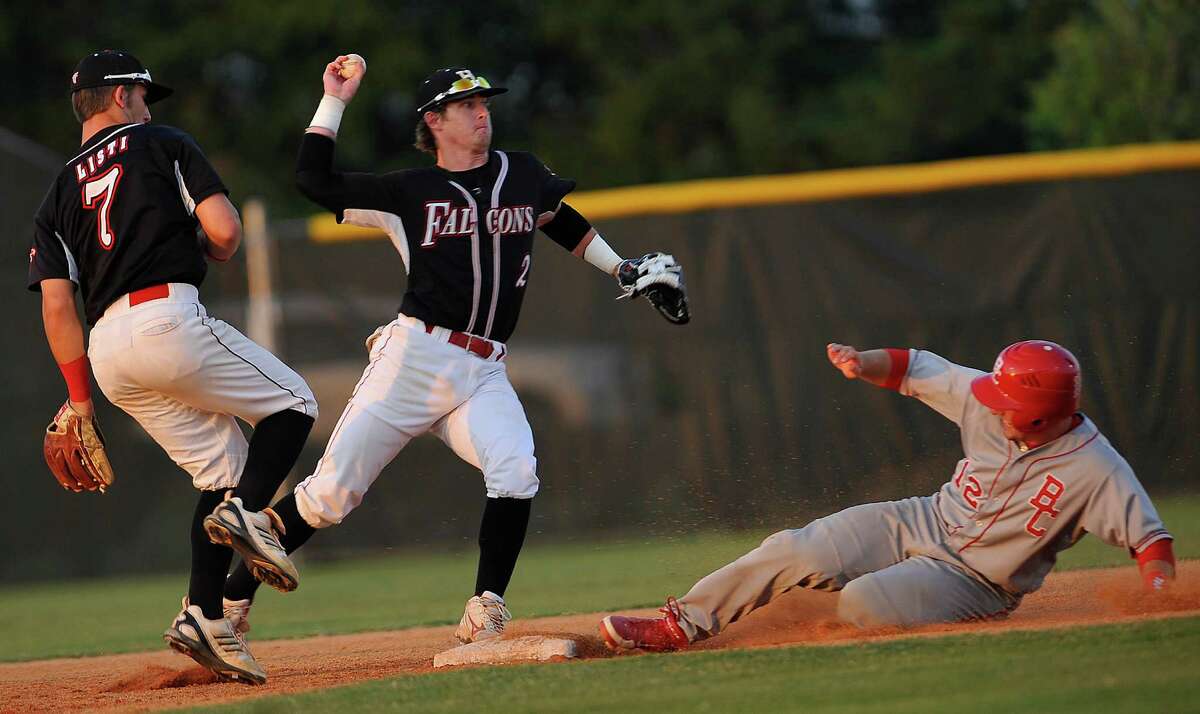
[
  {"x": 129, "y": 614},
  {"x": 379, "y": 593},
  {"x": 1113, "y": 668}
]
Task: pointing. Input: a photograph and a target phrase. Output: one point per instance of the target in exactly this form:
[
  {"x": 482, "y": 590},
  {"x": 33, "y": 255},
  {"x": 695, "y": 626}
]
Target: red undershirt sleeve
[{"x": 899, "y": 368}]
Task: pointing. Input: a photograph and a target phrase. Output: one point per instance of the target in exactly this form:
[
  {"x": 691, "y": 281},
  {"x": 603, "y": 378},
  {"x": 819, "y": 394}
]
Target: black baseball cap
[
  {"x": 451, "y": 84},
  {"x": 108, "y": 68}
]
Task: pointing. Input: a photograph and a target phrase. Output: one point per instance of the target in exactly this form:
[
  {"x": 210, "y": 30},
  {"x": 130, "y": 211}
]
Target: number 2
[
  {"x": 521, "y": 281},
  {"x": 972, "y": 491},
  {"x": 101, "y": 190}
]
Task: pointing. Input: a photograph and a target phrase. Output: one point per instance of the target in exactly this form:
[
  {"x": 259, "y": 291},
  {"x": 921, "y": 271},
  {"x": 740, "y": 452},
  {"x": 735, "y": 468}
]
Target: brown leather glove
[{"x": 74, "y": 451}]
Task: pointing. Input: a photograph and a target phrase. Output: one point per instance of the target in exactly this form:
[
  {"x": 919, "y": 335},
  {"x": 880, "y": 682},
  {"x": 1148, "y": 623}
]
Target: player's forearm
[
  {"x": 328, "y": 117},
  {"x": 64, "y": 332},
  {"x": 572, "y": 231},
  {"x": 876, "y": 366},
  {"x": 595, "y": 250},
  {"x": 314, "y": 171}
]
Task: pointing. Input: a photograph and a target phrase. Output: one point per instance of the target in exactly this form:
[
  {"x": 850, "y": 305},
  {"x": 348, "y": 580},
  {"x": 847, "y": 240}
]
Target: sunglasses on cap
[
  {"x": 458, "y": 86},
  {"x": 134, "y": 76}
]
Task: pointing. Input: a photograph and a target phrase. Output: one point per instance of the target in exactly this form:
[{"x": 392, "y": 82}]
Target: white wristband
[
  {"x": 599, "y": 254},
  {"x": 329, "y": 113}
]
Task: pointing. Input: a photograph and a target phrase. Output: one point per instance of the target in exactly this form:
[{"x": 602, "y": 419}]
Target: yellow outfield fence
[{"x": 708, "y": 194}]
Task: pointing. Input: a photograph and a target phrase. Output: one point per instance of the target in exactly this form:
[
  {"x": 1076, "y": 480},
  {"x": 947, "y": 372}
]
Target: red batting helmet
[{"x": 1035, "y": 379}]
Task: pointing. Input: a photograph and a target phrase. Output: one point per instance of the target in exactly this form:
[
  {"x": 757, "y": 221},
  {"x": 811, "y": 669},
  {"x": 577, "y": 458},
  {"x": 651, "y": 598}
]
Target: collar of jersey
[
  {"x": 1073, "y": 438},
  {"x": 470, "y": 172}
]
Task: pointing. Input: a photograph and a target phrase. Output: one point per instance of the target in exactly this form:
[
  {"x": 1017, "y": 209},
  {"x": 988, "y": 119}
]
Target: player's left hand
[
  {"x": 74, "y": 451},
  {"x": 660, "y": 279},
  {"x": 845, "y": 358}
]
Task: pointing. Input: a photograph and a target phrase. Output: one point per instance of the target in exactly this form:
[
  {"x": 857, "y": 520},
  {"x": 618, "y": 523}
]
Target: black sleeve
[
  {"x": 554, "y": 188},
  {"x": 48, "y": 256},
  {"x": 568, "y": 227},
  {"x": 335, "y": 190},
  {"x": 199, "y": 178}
]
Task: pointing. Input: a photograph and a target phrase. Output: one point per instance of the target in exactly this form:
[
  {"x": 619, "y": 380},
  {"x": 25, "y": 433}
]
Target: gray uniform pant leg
[
  {"x": 827, "y": 554},
  {"x": 920, "y": 591}
]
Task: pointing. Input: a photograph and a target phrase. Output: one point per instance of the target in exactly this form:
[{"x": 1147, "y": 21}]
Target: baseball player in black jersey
[
  {"x": 464, "y": 229},
  {"x": 120, "y": 224}
]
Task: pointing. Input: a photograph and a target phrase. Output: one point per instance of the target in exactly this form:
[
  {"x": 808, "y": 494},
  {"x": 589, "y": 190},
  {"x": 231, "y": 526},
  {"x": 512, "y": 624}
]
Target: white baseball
[{"x": 353, "y": 65}]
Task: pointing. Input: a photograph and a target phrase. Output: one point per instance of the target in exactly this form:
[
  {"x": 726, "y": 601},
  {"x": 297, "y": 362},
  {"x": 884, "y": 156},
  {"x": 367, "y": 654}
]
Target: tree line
[{"x": 636, "y": 92}]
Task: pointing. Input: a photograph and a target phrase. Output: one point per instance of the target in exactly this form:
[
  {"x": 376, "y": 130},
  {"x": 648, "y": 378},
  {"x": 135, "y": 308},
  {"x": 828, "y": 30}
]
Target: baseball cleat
[
  {"x": 660, "y": 634},
  {"x": 238, "y": 613},
  {"x": 483, "y": 618},
  {"x": 255, "y": 537},
  {"x": 215, "y": 645}
]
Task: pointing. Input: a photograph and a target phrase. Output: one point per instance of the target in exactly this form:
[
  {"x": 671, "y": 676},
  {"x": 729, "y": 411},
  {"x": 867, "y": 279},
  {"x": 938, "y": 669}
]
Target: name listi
[{"x": 87, "y": 165}]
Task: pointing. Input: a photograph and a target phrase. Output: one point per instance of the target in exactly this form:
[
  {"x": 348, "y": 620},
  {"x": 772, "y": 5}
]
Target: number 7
[{"x": 103, "y": 189}]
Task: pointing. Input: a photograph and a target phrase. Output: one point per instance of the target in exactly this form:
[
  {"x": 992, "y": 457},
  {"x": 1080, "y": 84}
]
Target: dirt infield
[{"x": 162, "y": 679}]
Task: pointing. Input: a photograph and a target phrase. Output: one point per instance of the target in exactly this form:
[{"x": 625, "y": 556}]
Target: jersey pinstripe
[{"x": 465, "y": 238}]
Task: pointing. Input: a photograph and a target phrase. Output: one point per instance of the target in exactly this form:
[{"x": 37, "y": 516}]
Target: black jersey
[
  {"x": 120, "y": 215},
  {"x": 466, "y": 237}
]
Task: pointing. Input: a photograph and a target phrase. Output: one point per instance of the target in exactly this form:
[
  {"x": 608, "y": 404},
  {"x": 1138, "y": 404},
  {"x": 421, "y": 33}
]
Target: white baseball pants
[
  {"x": 187, "y": 377},
  {"x": 417, "y": 382}
]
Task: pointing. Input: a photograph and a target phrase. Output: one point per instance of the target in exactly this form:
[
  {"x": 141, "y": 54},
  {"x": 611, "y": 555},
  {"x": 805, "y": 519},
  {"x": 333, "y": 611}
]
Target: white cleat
[
  {"x": 255, "y": 537},
  {"x": 215, "y": 645},
  {"x": 483, "y": 618}
]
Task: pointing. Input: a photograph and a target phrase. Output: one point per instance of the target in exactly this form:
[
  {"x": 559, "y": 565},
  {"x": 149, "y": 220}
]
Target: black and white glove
[{"x": 660, "y": 279}]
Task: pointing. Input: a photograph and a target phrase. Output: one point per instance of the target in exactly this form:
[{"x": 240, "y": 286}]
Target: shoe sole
[
  {"x": 260, "y": 566},
  {"x": 182, "y": 644},
  {"x": 478, "y": 636}
]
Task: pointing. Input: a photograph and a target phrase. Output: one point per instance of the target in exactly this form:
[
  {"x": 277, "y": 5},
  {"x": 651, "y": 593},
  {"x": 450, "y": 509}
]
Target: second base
[{"x": 499, "y": 651}]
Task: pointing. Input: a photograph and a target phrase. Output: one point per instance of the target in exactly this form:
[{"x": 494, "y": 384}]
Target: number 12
[{"x": 101, "y": 190}]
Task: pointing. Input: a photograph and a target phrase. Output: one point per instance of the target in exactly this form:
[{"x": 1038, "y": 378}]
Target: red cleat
[{"x": 661, "y": 634}]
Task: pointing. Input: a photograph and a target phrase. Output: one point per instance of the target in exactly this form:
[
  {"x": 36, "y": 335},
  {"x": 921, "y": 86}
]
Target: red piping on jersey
[
  {"x": 1001, "y": 471},
  {"x": 1015, "y": 488},
  {"x": 899, "y": 368}
]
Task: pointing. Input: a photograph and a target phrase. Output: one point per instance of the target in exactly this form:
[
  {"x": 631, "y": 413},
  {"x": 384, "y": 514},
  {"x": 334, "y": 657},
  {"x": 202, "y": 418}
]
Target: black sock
[
  {"x": 210, "y": 562},
  {"x": 241, "y": 585},
  {"x": 274, "y": 447},
  {"x": 501, "y": 535}
]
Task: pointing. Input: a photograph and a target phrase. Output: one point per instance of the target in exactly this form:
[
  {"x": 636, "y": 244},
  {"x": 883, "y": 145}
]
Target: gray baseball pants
[{"x": 889, "y": 560}]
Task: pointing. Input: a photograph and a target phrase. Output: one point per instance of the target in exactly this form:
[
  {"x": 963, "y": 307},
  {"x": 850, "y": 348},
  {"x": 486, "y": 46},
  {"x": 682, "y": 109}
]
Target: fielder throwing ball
[
  {"x": 1035, "y": 477},
  {"x": 120, "y": 224},
  {"x": 464, "y": 229}
]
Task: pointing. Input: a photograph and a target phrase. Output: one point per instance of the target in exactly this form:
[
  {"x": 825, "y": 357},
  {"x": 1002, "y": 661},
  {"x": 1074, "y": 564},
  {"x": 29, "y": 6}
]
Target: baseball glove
[
  {"x": 74, "y": 451},
  {"x": 660, "y": 279}
]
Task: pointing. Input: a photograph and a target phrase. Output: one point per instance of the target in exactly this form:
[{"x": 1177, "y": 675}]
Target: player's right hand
[
  {"x": 338, "y": 86},
  {"x": 846, "y": 359}
]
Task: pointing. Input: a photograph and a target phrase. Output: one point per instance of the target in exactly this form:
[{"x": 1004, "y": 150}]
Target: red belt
[
  {"x": 470, "y": 343},
  {"x": 154, "y": 292}
]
